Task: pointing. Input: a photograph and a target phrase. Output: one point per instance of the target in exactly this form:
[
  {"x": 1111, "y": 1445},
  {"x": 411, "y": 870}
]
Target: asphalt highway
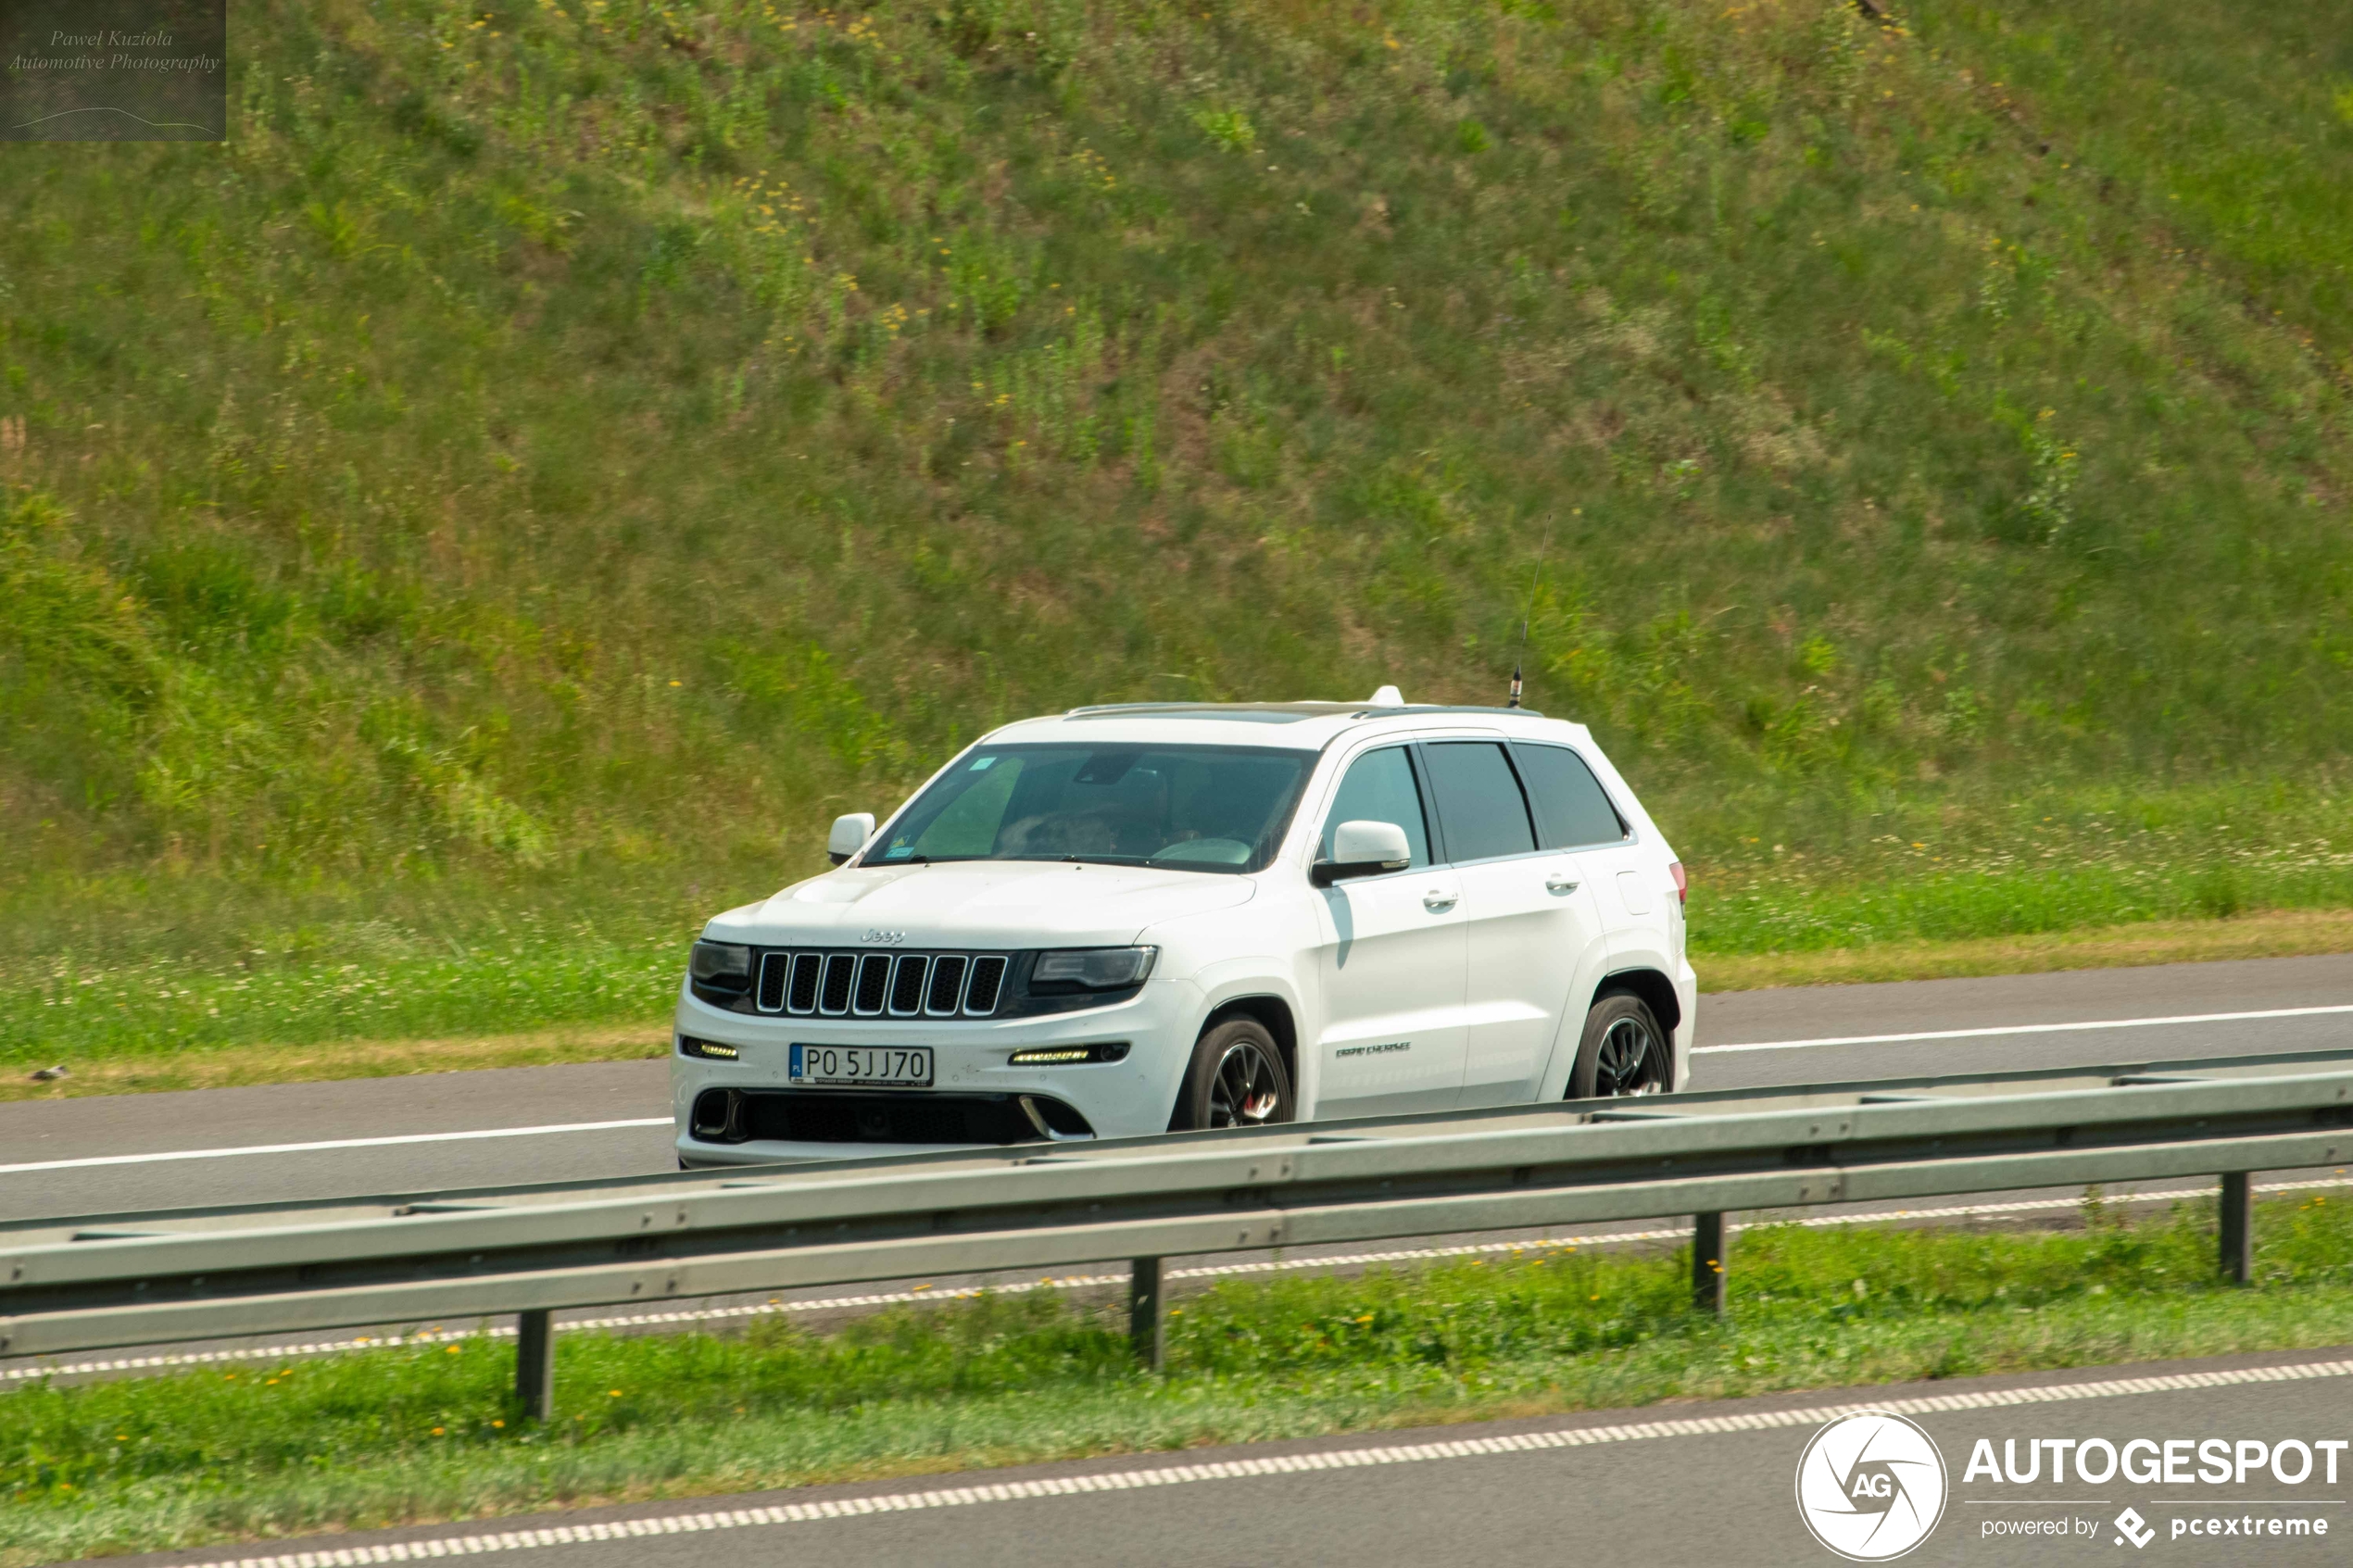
[
  {"x": 1684, "y": 1483},
  {"x": 548, "y": 1123},
  {"x": 1681, "y": 1484},
  {"x": 138, "y": 1152}
]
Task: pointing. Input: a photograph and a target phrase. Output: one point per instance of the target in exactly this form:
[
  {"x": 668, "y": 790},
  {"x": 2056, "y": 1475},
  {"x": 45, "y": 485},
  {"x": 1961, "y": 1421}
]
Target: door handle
[
  {"x": 1438, "y": 900},
  {"x": 1560, "y": 881}
]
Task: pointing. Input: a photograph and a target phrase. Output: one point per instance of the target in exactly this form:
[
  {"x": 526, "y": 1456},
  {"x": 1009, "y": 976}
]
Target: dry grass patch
[
  {"x": 228, "y": 1067},
  {"x": 2277, "y": 933}
]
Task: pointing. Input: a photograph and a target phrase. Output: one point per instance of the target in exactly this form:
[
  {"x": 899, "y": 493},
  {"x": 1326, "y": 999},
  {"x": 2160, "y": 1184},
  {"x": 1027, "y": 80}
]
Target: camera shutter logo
[{"x": 1870, "y": 1486}]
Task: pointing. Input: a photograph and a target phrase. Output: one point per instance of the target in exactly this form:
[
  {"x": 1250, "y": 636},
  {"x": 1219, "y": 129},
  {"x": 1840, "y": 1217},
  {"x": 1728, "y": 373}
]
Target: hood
[{"x": 982, "y": 904}]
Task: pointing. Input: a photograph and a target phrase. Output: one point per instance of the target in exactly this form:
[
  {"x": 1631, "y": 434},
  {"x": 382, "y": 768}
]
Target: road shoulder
[{"x": 916, "y": 1491}]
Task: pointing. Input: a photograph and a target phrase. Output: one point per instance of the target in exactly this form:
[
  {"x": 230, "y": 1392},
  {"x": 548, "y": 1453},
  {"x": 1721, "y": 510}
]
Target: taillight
[{"x": 1682, "y": 882}]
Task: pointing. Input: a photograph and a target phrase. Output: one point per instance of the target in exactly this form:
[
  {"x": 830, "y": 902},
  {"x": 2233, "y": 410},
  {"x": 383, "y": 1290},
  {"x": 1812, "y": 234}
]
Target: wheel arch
[
  {"x": 1270, "y": 1009},
  {"x": 1651, "y": 987},
  {"x": 1271, "y": 1012}
]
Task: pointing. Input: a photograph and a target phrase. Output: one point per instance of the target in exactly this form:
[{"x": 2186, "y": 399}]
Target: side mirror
[
  {"x": 1363, "y": 849},
  {"x": 849, "y": 835}
]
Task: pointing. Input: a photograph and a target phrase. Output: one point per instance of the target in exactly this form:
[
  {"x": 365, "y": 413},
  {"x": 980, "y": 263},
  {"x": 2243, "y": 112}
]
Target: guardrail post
[
  {"x": 1708, "y": 1262},
  {"x": 1147, "y": 1331},
  {"x": 535, "y": 1364},
  {"x": 2236, "y": 1226}
]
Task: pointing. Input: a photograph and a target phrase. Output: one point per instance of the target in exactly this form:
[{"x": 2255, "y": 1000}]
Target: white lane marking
[
  {"x": 2024, "y": 1029},
  {"x": 1082, "y": 1282},
  {"x": 665, "y": 1120},
  {"x": 1141, "y": 1476},
  {"x": 331, "y": 1143}
]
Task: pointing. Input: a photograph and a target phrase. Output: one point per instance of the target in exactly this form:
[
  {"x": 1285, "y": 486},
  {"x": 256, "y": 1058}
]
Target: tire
[
  {"x": 1624, "y": 1051},
  {"x": 1235, "y": 1080}
]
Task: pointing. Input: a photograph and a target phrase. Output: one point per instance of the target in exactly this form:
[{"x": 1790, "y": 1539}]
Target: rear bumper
[
  {"x": 976, "y": 1094},
  {"x": 1686, "y": 1032}
]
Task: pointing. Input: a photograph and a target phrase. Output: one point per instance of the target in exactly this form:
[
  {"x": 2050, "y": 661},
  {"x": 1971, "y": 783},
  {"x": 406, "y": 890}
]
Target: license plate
[{"x": 899, "y": 1066}]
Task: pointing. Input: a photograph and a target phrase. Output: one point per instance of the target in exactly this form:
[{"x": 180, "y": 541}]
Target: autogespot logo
[{"x": 1870, "y": 1486}]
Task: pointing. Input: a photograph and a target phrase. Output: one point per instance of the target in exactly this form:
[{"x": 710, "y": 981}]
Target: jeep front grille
[{"x": 868, "y": 985}]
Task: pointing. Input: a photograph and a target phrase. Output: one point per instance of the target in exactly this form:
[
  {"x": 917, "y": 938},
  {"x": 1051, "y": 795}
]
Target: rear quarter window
[{"x": 1572, "y": 809}]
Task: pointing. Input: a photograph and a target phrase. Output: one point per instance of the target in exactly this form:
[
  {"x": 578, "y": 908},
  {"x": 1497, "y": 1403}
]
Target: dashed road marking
[
  {"x": 2023, "y": 1029},
  {"x": 162, "y": 1154},
  {"x": 1143, "y": 1476}
]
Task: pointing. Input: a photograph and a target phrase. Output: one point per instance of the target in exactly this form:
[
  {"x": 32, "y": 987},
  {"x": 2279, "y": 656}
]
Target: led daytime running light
[{"x": 1063, "y": 1056}]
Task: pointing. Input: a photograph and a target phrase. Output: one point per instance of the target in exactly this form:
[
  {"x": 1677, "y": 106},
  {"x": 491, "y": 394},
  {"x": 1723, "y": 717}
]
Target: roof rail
[{"x": 1334, "y": 709}]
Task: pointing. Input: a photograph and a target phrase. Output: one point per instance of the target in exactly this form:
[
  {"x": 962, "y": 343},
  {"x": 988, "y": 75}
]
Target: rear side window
[
  {"x": 1481, "y": 810},
  {"x": 1379, "y": 787},
  {"x": 1572, "y": 810}
]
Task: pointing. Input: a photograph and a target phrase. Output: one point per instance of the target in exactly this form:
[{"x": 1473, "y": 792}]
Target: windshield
[{"x": 1189, "y": 808}]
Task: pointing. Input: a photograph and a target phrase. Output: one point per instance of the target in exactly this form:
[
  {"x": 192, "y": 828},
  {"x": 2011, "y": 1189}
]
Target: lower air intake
[{"x": 739, "y": 1116}]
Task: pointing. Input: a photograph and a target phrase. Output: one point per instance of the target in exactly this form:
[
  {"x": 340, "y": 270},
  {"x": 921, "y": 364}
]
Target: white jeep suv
[{"x": 1124, "y": 920}]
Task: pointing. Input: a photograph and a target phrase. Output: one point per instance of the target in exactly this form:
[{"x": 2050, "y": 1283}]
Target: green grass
[
  {"x": 555, "y": 456},
  {"x": 430, "y": 1433},
  {"x": 435, "y": 968},
  {"x": 164, "y": 971},
  {"x": 161, "y": 970}
]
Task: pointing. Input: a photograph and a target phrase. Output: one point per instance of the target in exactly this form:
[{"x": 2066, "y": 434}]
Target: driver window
[{"x": 1379, "y": 787}]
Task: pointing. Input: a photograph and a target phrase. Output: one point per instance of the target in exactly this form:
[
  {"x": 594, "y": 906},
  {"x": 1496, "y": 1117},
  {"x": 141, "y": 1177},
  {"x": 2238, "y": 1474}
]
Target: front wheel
[
  {"x": 1624, "y": 1051},
  {"x": 1235, "y": 1080}
]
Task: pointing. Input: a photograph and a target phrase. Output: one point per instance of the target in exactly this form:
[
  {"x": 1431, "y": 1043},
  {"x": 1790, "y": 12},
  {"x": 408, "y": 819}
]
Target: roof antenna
[{"x": 1534, "y": 578}]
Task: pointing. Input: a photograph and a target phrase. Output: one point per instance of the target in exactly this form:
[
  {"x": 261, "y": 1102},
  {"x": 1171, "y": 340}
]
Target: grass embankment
[
  {"x": 427, "y": 1434},
  {"x": 139, "y": 1055},
  {"x": 196, "y": 983},
  {"x": 552, "y": 449},
  {"x": 378, "y": 999}
]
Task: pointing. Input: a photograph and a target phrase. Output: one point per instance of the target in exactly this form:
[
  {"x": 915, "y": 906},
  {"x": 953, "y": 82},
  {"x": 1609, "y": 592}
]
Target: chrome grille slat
[
  {"x": 874, "y": 985},
  {"x": 907, "y": 985},
  {"x": 800, "y": 997},
  {"x": 987, "y": 987},
  {"x": 947, "y": 992},
  {"x": 770, "y": 996},
  {"x": 833, "y": 997}
]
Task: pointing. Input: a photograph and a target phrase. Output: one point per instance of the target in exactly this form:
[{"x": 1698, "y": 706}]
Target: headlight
[
  {"x": 724, "y": 963},
  {"x": 1094, "y": 968}
]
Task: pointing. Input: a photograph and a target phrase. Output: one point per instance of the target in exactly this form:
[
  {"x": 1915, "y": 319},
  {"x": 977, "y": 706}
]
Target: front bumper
[{"x": 969, "y": 1066}]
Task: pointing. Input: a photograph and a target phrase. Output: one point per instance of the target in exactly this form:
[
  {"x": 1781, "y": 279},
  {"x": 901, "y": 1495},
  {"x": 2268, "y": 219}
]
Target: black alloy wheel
[
  {"x": 1624, "y": 1051},
  {"x": 1237, "y": 1079}
]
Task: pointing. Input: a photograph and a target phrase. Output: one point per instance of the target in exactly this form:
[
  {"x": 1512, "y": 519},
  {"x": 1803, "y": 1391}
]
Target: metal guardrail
[{"x": 176, "y": 1276}]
